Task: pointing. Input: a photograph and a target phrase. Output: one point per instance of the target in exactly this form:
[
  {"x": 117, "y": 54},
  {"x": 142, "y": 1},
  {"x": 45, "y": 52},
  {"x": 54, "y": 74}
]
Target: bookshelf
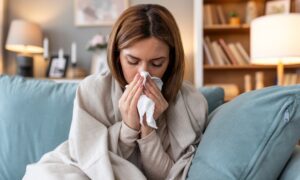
[{"x": 216, "y": 69}]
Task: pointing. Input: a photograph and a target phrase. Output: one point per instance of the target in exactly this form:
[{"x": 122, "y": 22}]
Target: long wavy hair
[{"x": 141, "y": 22}]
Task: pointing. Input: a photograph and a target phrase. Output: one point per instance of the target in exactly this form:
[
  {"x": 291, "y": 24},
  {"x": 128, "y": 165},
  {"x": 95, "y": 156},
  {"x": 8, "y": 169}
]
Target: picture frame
[
  {"x": 57, "y": 67},
  {"x": 278, "y": 7},
  {"x": 98, "y": 12}
]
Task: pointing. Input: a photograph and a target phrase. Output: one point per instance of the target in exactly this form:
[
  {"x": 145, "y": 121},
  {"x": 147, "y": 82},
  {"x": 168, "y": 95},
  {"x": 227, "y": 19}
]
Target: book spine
[{"x": 228, "y": 52}]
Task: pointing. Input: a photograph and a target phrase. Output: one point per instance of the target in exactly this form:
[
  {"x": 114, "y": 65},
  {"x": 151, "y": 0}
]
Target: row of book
[
  {"x": 231, "y": 90},
  {"x": 221, "y": 53},
  {"x": 213, "y": 14},
  {"x": 291, "y": 79}
]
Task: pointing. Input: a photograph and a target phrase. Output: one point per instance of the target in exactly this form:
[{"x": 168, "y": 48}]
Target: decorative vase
[
  {"x": 99, "y": 62},
  {"x": 251, "y": 11},
  {"x": 234, "y": 21}
]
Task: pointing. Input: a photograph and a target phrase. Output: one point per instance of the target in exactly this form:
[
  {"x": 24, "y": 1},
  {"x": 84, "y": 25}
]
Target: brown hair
[{"x": 144, "y": 21}]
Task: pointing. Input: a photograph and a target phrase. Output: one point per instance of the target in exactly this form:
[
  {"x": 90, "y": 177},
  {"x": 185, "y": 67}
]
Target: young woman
[{"x": 107, "y": 140}]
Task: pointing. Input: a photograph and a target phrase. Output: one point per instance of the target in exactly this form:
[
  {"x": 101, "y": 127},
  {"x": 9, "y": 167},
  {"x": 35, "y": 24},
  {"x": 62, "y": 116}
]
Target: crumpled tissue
[{"x": 145, "y": 105}]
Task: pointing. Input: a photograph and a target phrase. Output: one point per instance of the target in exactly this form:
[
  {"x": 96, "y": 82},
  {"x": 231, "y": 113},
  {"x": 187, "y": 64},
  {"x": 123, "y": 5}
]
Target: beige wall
[
  {"x": 56, "y": 19},
  {"x": 2, "y": 5}
]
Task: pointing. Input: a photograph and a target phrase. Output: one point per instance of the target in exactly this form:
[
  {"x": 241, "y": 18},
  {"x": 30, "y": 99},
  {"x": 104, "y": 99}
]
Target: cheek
[
  {"x": 159, "y": 72},
  {"x": 128, "y": 71}
]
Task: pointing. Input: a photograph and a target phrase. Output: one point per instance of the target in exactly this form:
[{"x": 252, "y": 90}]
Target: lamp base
[{"x": 25, "y": 65}]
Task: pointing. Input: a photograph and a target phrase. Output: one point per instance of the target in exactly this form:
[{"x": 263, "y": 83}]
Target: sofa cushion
[
  {"x": 292, "y": 169},
  {"x": 35, "y": 117},
  {"x": 250, "y": 137},
  {"x": 214, "y": 96}
]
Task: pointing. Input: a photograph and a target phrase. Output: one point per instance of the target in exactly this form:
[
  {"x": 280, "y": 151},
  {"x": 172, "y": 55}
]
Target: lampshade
[
  {"x": 24, "y": 37},
  {"x": 275, "y": 39}
]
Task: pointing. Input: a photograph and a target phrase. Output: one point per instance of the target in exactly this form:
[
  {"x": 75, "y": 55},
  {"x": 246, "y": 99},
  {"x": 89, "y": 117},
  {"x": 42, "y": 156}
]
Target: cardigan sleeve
[
  {"x": 127, "y": 139},
  {"x": 156, "y": 162}
]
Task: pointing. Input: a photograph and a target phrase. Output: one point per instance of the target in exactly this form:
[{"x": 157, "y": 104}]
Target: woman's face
[{"x": 151, "y": 55}]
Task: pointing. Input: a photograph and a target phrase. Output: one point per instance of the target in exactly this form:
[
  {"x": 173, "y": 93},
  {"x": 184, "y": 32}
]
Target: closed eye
[
  {"x": 157, "y": 64},
  {"x": 132, "y": 60}
]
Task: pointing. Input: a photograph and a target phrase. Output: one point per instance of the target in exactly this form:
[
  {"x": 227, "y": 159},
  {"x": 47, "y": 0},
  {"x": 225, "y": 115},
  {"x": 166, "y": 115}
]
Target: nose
[{"x": 143, "y": 67}]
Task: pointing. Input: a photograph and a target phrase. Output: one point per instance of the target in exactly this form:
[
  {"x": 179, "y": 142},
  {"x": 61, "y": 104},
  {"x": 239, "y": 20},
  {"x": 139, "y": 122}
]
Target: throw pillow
[
  {"x": 35, "y": 117},
  {"x": 250, "y": 137}
]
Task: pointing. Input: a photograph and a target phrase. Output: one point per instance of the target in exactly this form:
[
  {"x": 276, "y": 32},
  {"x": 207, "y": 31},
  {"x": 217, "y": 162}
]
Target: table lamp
[
  {"x": 275, "y": 40},
  {"x": 25, "y": 38}
]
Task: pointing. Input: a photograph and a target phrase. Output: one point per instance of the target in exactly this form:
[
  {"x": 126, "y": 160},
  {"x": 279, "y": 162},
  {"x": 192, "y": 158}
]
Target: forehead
[{"x": 147, "y": 48}]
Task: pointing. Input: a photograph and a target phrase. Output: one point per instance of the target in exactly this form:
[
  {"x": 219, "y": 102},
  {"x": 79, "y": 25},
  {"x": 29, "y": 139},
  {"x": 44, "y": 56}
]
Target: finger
[
  {"x": 134, "y": 90},
  {"x": 154, "y": 88},
  {"x": 159, "y": 100},
  {"x": 134, "y": 81},
  {"x": 136, "y": 96},
  {"x": 156, "y": 93},
  {"x": 152, "y": 83},
  {"x": 131, "y": 86},
  {"x": 158, "y": 107},
  {"x": 152, "y": 97}
]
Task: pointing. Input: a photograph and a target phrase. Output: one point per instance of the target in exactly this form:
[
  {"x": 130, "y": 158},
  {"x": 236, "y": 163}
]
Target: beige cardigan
[{"x": 100, "y": 146}]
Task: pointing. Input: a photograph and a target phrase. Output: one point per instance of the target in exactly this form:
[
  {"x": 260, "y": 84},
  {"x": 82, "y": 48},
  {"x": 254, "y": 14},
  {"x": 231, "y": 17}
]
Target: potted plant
[{"x": 234, "y": 19}]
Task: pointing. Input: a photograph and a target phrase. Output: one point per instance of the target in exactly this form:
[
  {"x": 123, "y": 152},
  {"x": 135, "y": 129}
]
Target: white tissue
[{"x": 146, "y": 105}]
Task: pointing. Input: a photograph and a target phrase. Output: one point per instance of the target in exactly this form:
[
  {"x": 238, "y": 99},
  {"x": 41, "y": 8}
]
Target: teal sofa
[{"x": 35, "y": 117}]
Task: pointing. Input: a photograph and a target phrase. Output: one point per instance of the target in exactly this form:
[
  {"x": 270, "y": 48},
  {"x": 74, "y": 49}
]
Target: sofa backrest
[
  {"x": 214, "y": 96},
  {"x": 35, "y": 117}
]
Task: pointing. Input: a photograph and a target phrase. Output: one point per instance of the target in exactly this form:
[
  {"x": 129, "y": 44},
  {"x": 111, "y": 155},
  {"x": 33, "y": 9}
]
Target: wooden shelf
[
  {"x": 226, "y": 28},
  {"x": 248, "y": 67},
  {"x": 215, "y": 31}
]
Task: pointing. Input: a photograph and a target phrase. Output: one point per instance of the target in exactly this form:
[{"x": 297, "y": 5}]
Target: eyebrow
[{"x": 157, "y": 58}]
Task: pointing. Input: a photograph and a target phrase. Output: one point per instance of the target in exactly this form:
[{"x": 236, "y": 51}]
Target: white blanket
[{"x": 92, "y": 151}]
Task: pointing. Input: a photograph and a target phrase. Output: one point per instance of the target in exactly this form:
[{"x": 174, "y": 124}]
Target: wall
[
  {"x": 56, "y": 19},
  {"x": 2, "y": 5}
]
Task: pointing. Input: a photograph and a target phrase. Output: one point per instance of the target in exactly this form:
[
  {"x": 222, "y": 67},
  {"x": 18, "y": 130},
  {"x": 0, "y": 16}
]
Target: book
[
  {"x": 228, "y": 52},
  {"x": 221, "y": 15},
  {"x": 243, "y": 52},
  {"x": 293, "y": 79},
  {"x": 214, "y": 14},
  {"x": 247, "y": 83},
  {"x": 219, "y": 59},
  {"x": 209, "y": 45},
  {"x": 208, "y": 54},
  {"x": 223, "y": 55},
  {"x": 209, "y": 15},
  {"x": 286, "y": 79},
  {"x": 204, "y": 15},
  {"x": 236, "y": 54}
]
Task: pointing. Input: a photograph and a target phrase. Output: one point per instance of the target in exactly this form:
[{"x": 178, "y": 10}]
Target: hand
[
  {"x": 153, "y": 92},
  {"x": 128, "y": 103}
]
